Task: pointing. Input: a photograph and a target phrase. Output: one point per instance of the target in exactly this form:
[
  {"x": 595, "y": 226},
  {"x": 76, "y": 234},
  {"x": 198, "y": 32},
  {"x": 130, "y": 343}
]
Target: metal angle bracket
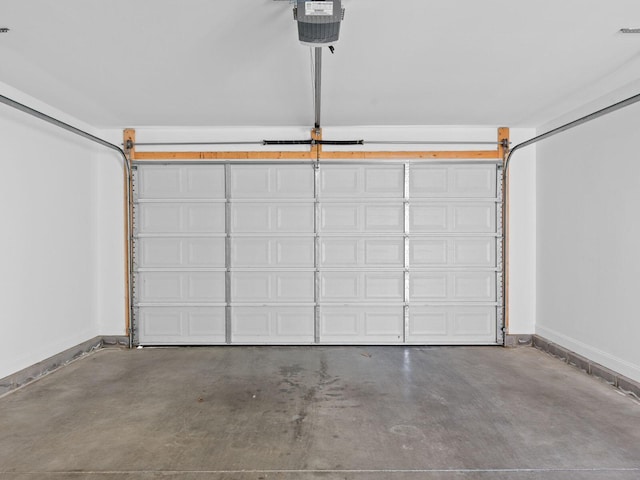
[
  {"x": 135, "y": 319},
  {"x": 133, "y": 279},
  {"x": 500, "y": 211}
]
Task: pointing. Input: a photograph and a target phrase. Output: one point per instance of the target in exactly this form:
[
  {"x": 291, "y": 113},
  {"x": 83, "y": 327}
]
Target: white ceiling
[{"x": 123, "y": 63}]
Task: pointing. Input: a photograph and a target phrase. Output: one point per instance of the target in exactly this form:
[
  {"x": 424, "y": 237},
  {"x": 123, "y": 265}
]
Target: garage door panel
[
  {"x": 175, "y": 252},
  {"x": 285, "y": 325},
  {"x": 381, "y": 181},
  {"x": 272, "y": 218},
  {"x": 294, "y": 218},
  {"x": 272, "y": 181},
  {"x": 474, "y": 217},
  {"x": 362, "y": 252},
  {"x": 362, "y": 218},
  {"x": 452, "y": 324},
  {"x": 279, "y": 253},
  {"x": 339, "y": 323},
  {"x": 387, "y": 252},
  {"x": 461, "y": 181},
  {"x": 252, "y": 252},
  {"x": 353, "y": 324},
  {"x": 272, "y": 287},
  {"x": 265, "y": 252},
  {"x": 161, "y": 323},
  {"x": 453, "y": 286},
  {"x": 294, "y": 252},
  {"x": 160, "y": 252},
  {"x": 340, "y": 286},
  {"x": 427, "y": 322},
  {"x": 475, "y": 286},
  {"x": 181, "y": 218},
  {"x": 182, "y": 325},
  {"x": 384, "y": 181},
  {"x": 250, "y": 217},
  {"x": 452, "y": 251},
  {"x": 180, "y": 182},
  {"x": 474, "y": 323},
  {"x": 474, "y": 181},
  {"x": 181, "y": 287},
  {"x": 427, "y": 252},
  {"x": 474, "y": 252},
  {"x": 250, "y": 322},
  {"x": 360, "y": 286},
  {"x": 434, "y": 217},
  {"x": 341, "y": 251},
  {"x": 341, "y": 218},
  {"x": 458, "y": 217},
  {"x": 429, "y": 286},
  {"x": 384, "y": 286},
  {"x": 384, "y": 218}
]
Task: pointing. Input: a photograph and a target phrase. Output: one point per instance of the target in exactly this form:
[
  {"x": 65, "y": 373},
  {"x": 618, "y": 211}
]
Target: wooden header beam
[
  {"x": 503, "y": 142},
  {"x": 324, "y": 155},
  {"x": 129, "y": 143},
  {"x": 316, "y": 150}
]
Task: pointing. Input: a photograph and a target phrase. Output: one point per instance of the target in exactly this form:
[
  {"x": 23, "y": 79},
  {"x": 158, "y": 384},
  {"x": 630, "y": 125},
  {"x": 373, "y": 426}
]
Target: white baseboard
[{"x": 605, "y": 359}]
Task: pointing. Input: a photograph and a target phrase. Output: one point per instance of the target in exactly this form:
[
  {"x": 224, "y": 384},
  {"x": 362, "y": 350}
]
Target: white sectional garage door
[{"x": 299, "y": 253}]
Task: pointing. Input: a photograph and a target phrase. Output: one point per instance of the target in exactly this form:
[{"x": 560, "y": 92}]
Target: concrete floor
[{"x": 239, "y": 413}]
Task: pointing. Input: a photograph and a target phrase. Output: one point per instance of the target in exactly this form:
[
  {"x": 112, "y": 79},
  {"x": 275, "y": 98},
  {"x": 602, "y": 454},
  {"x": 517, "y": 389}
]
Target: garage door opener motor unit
[{"x": 318, "y": 22}]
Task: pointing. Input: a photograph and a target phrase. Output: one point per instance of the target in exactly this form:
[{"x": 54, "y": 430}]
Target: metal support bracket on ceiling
[{"x": 318, "y": 86}]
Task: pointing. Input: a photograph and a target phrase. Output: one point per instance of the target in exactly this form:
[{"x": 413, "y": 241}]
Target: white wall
[
  {"x": 522, "y": 236},
  {"x": 588, "y": 259},
  {"x": 111, "y": 253},
  {"x": 50, "y": 247}
]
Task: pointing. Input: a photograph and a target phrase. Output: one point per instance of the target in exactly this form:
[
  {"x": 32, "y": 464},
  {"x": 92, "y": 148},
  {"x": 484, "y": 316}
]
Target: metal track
[{"x": 568, "y": 126}]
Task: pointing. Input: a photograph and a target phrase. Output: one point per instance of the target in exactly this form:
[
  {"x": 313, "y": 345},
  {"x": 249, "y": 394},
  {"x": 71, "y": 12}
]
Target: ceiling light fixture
[{"x": 630, "y": 30}]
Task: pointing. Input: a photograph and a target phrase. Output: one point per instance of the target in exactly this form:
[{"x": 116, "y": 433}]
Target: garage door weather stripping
[{"x": 301, "y": 253}]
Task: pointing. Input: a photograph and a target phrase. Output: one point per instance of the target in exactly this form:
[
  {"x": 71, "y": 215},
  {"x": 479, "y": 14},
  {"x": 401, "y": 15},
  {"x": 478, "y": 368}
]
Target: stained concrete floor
[{"x": 240, "y": 413}]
